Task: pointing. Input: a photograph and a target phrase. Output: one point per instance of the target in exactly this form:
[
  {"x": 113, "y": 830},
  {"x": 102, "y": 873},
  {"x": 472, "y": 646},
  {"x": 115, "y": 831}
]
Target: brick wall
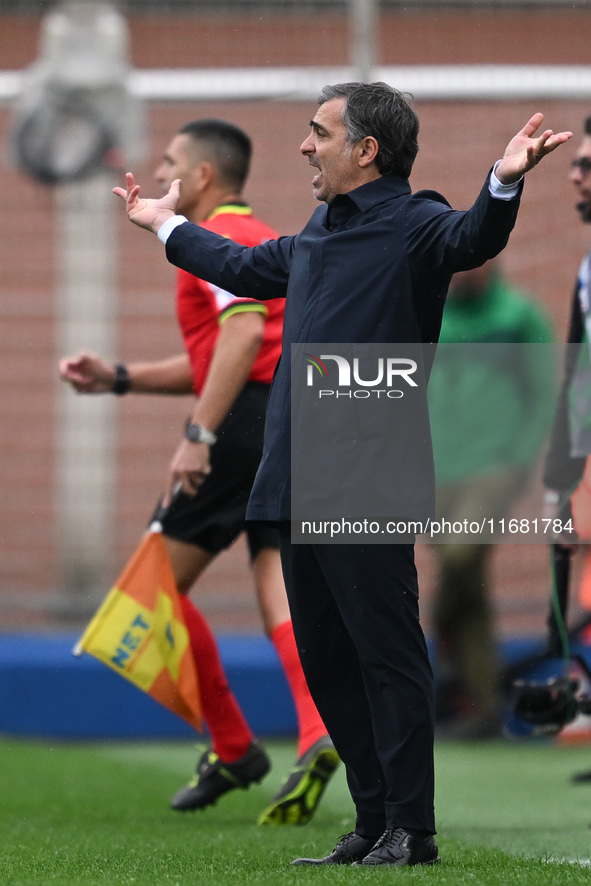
[{"x": 459, "y": 141}]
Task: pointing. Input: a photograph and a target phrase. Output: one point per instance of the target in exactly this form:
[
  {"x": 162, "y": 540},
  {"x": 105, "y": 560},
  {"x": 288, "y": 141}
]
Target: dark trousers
[{"x": 355, "y": 617}]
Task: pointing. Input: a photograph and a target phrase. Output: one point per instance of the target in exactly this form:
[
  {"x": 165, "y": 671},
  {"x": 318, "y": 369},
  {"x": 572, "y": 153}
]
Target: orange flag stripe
[{"x": 139, "y": 632}]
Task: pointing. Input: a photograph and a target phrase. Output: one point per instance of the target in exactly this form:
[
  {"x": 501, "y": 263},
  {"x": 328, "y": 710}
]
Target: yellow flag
[{"x": 139, "y": 631}]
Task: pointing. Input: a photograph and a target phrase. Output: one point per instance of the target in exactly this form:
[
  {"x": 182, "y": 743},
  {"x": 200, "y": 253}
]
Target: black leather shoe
[
  {"x": 350, "y": 848},
  {"x": 397, "y": 848}
]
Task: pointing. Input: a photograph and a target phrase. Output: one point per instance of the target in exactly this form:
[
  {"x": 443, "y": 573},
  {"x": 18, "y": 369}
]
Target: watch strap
[
  {"x": 122, "y": 381},
  {"x": 198, "y": 434}
]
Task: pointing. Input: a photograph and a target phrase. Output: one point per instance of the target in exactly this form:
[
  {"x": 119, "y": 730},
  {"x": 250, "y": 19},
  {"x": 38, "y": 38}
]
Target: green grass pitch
[{"x": 90, "y": 814}]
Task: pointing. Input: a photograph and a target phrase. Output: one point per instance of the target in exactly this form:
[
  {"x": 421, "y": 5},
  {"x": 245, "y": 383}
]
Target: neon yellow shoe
[{"x": 299, "y": 795}]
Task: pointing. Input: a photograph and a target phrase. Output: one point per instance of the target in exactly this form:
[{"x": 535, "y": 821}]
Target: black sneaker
[
  {"x": 397, "y": 848},
  {"x": 351, "y": 848},
  {"x": 213, "y": 778},
  {"x": 299, "y": 795}
]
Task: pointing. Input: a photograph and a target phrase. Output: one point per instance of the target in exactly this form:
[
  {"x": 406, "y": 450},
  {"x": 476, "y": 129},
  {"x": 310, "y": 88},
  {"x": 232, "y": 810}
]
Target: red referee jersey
[{"x": 201, "y": 307}]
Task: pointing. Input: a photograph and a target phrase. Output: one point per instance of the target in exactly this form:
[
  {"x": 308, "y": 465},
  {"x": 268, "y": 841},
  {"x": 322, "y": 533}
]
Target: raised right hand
[{"x": 148, "y": 213}]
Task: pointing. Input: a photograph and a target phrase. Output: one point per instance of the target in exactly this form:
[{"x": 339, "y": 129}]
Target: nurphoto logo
[{"x": 387, "y": 372}]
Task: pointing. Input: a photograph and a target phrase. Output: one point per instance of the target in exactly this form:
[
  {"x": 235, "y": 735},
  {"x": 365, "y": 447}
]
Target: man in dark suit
[{"x": 372, "y": 266}]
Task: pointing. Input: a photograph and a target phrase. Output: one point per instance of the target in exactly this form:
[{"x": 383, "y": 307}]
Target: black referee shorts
[{"x": 214, "y": 517}]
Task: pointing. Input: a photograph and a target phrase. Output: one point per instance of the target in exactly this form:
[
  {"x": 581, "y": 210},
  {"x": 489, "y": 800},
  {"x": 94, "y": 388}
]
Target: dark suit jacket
[
  {"x": 374, "y": 266},
  {"x": 562, "y": 471}
]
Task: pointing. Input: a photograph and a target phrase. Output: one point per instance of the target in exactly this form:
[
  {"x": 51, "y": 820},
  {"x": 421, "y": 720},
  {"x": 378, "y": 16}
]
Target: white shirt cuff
[
  {"x": 168, "y": 227},
  {"x": 500, "y": 191}
]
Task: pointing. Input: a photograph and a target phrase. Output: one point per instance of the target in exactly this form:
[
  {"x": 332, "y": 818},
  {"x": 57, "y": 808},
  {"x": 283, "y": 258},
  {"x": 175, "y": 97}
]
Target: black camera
[{"x": 547, "y": 707}]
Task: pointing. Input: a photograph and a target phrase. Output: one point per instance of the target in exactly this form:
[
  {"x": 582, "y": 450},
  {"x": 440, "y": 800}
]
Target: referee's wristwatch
[{"x": 198, "y": 434}]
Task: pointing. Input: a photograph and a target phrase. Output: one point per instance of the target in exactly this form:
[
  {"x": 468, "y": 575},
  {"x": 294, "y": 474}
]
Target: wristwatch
[
  {"x": 198, "y": 434},
  {"x": 122, "y": 381}
]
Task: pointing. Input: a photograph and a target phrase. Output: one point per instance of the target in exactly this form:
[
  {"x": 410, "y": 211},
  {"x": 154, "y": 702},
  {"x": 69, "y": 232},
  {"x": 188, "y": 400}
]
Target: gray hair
[{"x": 380, "y": 111}]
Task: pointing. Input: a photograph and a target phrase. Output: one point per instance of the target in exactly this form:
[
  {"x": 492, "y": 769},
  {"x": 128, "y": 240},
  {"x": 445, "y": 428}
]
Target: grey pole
[
  {"x": 86, "y": 251},
  {"x": 364, "y": 16}
]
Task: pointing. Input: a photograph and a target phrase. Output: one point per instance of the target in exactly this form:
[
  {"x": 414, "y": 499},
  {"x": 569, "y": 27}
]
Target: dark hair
[
  {"x": 383, "y": 112},
  {"x": 587, "y": 126},
  {"x": 228, "y": 147}
]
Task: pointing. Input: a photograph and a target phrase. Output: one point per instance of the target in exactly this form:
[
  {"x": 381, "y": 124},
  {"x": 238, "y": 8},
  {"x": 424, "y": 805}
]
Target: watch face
[
  {"x": 197, "y": 434},
  {"x": 193, "y": 433}
]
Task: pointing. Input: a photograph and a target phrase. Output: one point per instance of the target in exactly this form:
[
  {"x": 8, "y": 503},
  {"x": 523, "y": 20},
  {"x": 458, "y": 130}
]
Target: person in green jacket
[{"x": 490, "y": 402}]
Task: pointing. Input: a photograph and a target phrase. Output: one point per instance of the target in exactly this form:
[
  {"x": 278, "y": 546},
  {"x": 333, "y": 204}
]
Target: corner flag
[{"x": 140, "y": 633}]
